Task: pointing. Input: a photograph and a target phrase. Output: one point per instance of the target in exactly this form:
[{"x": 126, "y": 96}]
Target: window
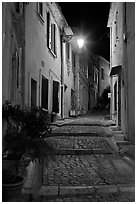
[
  {"x": 51, "y": 35},
  {"x": 67, "y": 50},
  {"x": 44, "y": 93},
  {"x": 72, "y": 99},
  {"x": 95, "y": 77},
  {"x": 40, "y": 11},
  {"x": 48, "y": 29},
  {"x": 15, "y": 80},
  {"x": 102, "y": 73},
  {"x": 19, "y": 7},
  {"x": 33, "y": 92},
  {"x": 116, "y": 25},
  {"x": 92, "y": 75},
  {"x": 53, "y": 38},
  {"x": 73, "y": 60}
]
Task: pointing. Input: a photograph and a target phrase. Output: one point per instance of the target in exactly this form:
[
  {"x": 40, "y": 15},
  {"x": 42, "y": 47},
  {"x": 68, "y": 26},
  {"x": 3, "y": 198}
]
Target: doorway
[{"x": 55, "y": 104}]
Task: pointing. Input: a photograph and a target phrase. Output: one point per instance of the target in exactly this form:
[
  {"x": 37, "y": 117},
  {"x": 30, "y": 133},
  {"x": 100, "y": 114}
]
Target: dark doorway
[
  {"x": 44, "y": 93},
  {"x": 115, "y": 96},
  {"x": 33, "y": 92},
  {"x": 55, "y": 107}
]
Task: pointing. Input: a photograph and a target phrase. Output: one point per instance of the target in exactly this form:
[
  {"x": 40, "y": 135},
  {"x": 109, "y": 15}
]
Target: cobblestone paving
[
  {"x": 73, "y": 170},
  {"x": 82, "y": 142},
  {"x": 78, "y": 129},
  {"x": 112, "y": 197},
  {"x": 87, "y": 169},
  {"x": 87, "y": 120}
]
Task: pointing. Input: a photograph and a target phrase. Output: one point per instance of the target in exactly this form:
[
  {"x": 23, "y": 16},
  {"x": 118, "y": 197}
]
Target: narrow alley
[
  {"x": 88, "y": 164},
  {"x": 68, "y": 101}
]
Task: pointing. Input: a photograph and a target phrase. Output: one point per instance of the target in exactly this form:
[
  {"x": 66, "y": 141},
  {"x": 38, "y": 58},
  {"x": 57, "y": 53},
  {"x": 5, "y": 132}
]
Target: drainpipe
[
  {"x": 62, "y": 77},
  {"x": 111, "y": 80},
  {"x": 125, "y": 72}
]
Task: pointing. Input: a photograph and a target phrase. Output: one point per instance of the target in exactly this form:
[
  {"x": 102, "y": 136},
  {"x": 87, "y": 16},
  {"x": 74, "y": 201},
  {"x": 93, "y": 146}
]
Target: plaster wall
[
  {"x": 131, "y": 70},
  {"x": 116, "y": 24},
  {"x": 103, "y": 83},
  {"x": 68, "y": 81},
  {"x": 123, "y": 53},
  {"x": 38, "y": 58},
  {"x": 6, "y": 49}
]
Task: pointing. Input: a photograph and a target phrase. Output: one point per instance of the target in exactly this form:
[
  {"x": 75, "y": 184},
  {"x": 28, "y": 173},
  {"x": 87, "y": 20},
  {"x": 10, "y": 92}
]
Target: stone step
[
  {"x": 78, "y": 190},
  {"x": 78, "y": 134},
  {"x": 79, "y": 151}
]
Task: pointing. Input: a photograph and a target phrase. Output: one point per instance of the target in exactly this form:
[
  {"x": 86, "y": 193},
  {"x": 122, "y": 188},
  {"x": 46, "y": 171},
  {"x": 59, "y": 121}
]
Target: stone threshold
[
  {"x": 79, "y": 124},
  {"x": 93, "y": 134},
  {"x": 80, "y": 151},
  {"x": 78, "y": 190}
]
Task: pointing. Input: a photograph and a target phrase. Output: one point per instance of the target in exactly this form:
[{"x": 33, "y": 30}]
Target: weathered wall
[
  {"x": 39, "y": 60},
  {"x": 12, "y": 52},
  {"x": 6, "y": 49},
  {"x": 122, "y": 24},
  {"x": 103, "y": 83},
  {"x": 68, "y": 81},
  {"x": 131, "y": 69}
]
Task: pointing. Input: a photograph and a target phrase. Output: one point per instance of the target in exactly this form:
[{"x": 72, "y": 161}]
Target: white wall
[{"x": 38, "y": 58}]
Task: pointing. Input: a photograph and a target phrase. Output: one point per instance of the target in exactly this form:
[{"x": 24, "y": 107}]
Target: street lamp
[{"x": 80, "y": 42}]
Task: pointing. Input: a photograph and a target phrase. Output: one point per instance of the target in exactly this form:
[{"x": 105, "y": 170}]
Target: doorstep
[
  {"x": 78, "y": 190},
  {"x": 82, "y": 151}
]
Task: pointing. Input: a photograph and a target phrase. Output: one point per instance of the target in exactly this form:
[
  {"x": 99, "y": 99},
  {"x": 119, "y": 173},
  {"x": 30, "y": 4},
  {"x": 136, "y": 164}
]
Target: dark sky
[{"x": 91, "y": 18}]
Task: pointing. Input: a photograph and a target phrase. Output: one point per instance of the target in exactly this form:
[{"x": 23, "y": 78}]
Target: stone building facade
[
  {"x": 104, "y": 79},
  {"x": 80, "y": 70},
  {"x": 38, "y": 62},
  {"x": 13, "y": 52},
  {"x": 99, "y": 79},
  {"x": 122, "y": 66},
  {"x": 44, "y": 58},
  {"x": 93, "y": 81}
]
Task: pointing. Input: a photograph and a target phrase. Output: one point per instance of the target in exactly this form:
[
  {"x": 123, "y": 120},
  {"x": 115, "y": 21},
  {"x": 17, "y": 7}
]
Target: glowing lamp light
[{"x": 80, "y": 43}]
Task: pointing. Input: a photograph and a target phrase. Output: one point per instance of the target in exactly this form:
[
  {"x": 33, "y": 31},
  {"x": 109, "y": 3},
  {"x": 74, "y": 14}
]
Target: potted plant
[{"x": 22, "y": 143}]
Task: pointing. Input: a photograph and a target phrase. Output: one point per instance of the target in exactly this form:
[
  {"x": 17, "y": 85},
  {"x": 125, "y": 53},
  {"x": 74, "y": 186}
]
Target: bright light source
[{"x": 80, "y": 42}]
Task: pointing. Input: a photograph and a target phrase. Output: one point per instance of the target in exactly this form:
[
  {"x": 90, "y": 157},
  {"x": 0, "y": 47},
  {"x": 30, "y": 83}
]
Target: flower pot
[
  {"x": 54, "y": 117},
  {"x": 12, "y": 192},
  {"x": 72, "y": 113}
]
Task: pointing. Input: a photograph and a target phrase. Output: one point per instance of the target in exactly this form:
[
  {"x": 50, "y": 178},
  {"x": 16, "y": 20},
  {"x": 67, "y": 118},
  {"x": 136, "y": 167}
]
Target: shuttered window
[
  {"x": 40, "y": 12},
  {"x": 51, "y": 35},
  {"x": 53, "y": 38}
]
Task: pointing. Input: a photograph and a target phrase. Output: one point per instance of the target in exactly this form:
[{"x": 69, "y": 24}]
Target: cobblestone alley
[{"x": 88, "y": 164}]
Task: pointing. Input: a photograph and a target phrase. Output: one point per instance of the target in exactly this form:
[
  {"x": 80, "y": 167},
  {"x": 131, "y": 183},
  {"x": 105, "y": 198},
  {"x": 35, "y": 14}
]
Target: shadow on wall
[{"x": 103, "y": 102}]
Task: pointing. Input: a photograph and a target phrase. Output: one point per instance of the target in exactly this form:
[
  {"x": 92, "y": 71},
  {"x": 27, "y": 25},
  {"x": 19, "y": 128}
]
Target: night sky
[{"x": 91, "y": 18}]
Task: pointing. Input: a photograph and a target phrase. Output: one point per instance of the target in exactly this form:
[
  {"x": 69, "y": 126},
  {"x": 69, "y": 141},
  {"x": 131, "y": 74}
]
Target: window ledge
[
  {"x": 45, "y": 110},
  {"x": 53, "y": 54},
  {"x": 40, "y": 18}
]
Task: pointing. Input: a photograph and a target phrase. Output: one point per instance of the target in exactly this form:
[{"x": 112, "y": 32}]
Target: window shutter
[
  {"x": 48, "y": 29},
  {"x": 53, "y": 38}
]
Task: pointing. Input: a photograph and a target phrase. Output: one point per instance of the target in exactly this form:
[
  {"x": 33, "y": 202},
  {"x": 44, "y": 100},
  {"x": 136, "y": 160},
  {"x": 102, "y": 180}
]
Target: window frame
[
  {"x": 95, "y": 77},
  {"x": 51, "y": 35},
  {"x": 40, "y": 14},
  {"x": 68, "y": 51},
  {"x": 102, "y": 73}
]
